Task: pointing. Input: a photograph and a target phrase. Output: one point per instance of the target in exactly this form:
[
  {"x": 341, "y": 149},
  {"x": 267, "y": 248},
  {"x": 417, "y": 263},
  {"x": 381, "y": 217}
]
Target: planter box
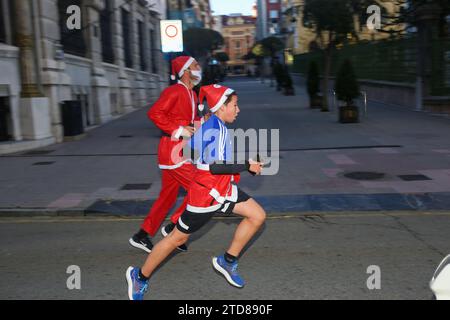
[
  {"x": 289, "y": 91},
  {"x": 349, "y": 114},
  {"x": 316, "y": 102}
]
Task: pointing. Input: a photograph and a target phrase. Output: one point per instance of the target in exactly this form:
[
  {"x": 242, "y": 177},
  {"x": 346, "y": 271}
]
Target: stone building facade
[
  {"x": 239, "y": 33},
  {"x": 113, "y": 64},
  {"x": 193, "y": 13}
]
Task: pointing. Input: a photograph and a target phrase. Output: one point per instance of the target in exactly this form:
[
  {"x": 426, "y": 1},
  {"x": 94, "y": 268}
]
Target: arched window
[{"x": 72, "y": 40}]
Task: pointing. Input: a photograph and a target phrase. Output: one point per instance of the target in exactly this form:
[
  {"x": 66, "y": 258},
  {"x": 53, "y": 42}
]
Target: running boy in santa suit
[
  {"x": 174, "y": 113},
  {"x": 211, "y": 192}
]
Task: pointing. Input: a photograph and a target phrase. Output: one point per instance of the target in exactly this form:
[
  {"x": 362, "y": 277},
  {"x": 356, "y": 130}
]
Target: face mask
[{"x": 198, "y": 74}]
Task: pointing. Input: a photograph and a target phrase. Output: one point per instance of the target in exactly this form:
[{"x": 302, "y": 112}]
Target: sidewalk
[{"x": 410, "y": 149}]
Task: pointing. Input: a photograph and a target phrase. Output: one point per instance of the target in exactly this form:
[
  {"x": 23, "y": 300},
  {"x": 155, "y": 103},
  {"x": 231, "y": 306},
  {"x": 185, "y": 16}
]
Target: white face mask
[{"x": 198, "y": 74}]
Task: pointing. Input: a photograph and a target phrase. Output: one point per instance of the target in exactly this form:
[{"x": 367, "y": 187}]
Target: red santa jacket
[
  {"x": 176, "y": 108},
  {"x": 210, "y": 192}
]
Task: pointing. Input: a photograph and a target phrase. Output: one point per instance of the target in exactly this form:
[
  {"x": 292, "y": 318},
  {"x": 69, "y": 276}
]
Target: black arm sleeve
[{"x": 218, "y": 168}]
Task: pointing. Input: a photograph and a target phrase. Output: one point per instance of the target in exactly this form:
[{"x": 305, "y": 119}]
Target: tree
[
  {"x": 222, "y": 57},
  {"x": 268, "y": 47},
  {"x": 200, "y": 42},
  {"x": 333, "y": 22},
  {"x": 249, "y": 56},
  {"x": 272, "y": 45},
  {"x": 313, "y": 84},
  {"x": 347, "y": 88},
  {"x": 408, "y": 15}
]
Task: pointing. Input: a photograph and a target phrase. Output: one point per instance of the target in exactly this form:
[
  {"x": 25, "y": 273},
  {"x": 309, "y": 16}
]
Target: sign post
[{"x": 172, "y": 38}]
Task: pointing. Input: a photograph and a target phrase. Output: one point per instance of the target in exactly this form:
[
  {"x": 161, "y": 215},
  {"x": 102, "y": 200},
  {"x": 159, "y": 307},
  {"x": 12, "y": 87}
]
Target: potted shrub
[
  {"x": 313, "y": 85},
  {"x": 347, "y": 89}
]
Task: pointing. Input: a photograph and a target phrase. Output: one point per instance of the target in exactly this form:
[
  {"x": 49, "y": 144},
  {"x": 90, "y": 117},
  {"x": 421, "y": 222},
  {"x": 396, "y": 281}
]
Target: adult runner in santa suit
[{"x": 175, "y": 113}]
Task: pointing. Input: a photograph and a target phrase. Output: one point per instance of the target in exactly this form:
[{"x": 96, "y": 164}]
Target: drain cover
[
  {"x": 136, "y": 187},
  {"x": 414, "y": 177},
  {"x": 364, "y": 175},
  {"x": 43, "y": 163}
]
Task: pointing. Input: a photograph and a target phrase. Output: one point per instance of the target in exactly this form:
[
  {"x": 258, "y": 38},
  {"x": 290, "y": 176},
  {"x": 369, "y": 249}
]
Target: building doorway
[{"x": 5, "y": 120}]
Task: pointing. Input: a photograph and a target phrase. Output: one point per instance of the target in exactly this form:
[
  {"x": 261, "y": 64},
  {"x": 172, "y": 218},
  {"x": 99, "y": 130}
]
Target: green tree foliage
[
  {"x": 200, "y": 42},
  {"x": 347, "y": 88},
  {"x": 272, "y": 45},
  {"x": 313, "y": 81},
  {"x": 222, "y": 57},
  {"x": 333, "y": 21}
]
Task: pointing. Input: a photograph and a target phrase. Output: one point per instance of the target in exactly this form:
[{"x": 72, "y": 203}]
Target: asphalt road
[{"x": 294, "y": 257}]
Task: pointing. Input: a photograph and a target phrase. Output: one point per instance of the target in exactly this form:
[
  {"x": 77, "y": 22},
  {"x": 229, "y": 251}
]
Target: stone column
[
  {"x": 55, "y": 81},
  {"x": 427, "y": 17},
  {"x": 124, "y": 94},
  {"x": 101, "y": 93},
  {"x": 139, "y": 85},
  {"x": 34, "y": 106}
]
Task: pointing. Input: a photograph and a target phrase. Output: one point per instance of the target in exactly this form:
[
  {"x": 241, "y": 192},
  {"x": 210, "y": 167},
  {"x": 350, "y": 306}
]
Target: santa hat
[
  {"x": 180, "y": 65},
  {"x": 216, "y": 96}
]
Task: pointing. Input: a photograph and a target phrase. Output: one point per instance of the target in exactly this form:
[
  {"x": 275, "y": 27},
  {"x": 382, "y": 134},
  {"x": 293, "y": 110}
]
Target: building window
[
  {"x": 127, "y": 38},
  {"x": 238, "y": 44},
  {"x": 153, "y": 51},
  {"x": 2, "y": 22},
  {"x": 106, "y": 26},
  {"x": 72, "y": 40},
  {"x": 273, "y": 14},
  {"x": 142, "y": 55},
  {"x": 273, "y": 1}
]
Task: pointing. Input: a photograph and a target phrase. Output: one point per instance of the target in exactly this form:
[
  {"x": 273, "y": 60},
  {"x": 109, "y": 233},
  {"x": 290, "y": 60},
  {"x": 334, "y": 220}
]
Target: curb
[{"x": 299, "y": 204}]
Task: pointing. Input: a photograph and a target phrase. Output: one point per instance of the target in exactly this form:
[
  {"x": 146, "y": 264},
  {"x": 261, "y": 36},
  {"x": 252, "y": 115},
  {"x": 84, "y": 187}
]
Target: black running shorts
[{"x": 191, "y": 222}]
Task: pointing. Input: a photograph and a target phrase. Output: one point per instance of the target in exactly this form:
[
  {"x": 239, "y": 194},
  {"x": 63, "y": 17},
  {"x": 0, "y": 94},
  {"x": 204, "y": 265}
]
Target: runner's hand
[
  {"x": 256, "y": 167},
  {"x": 188, "y": 132}
]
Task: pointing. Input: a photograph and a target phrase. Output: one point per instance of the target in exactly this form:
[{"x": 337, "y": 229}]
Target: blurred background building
[
  {"x": 111, "y": 65},
  {"x": 269, "y": 18},
  {"x": 239, "y": 33},
  {"x": 193, "y": 13}
]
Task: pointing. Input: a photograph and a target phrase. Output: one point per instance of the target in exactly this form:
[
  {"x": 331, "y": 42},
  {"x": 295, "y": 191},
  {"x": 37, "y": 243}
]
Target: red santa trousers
[{"x": 172, "y": 180}]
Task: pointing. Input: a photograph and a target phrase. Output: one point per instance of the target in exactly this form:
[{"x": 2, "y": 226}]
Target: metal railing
[{"x": 364, "y": 109}]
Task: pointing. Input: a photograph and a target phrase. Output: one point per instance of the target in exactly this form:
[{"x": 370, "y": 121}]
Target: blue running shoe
[
  {"x": 229, "y": 271},
  {"x": 136, "y": 288}
]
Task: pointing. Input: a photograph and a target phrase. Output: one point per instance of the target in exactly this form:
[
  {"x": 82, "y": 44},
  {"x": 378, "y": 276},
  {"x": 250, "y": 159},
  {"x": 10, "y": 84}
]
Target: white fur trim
[
  {"x": 222, "y": 100},
  {"x": 216, "y": 195},
  {"x": 203, "y": 167},
  {"x": 178, "y": 133},
  {"x": 173, "y": 167},
  {"x": 186, "y": 65}
]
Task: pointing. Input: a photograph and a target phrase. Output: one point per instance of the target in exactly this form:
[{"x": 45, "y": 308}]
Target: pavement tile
[{"x": 341, "y": 159}]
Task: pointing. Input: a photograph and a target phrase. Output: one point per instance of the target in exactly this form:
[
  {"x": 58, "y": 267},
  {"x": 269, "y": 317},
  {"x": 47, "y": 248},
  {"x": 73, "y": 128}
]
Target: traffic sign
[{"x": 172, "y": 36}]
